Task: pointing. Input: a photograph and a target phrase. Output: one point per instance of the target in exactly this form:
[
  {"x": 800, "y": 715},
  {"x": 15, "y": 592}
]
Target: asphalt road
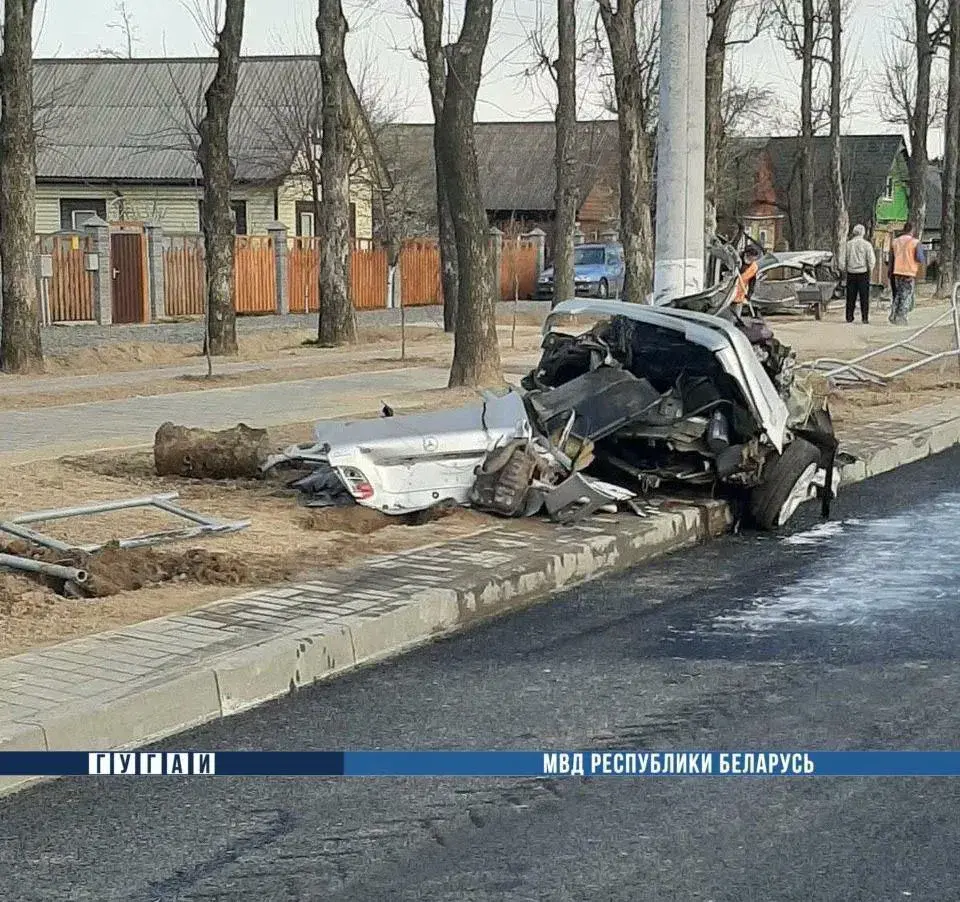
[{"x": 837, "y": 636}]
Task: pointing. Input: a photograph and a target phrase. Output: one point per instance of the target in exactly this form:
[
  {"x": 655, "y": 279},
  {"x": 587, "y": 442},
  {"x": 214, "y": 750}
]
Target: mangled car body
[
  {"x": 795, "y": 282},
  {"x": 634, "y": 398},
  {"x": 705, "y": 399}
]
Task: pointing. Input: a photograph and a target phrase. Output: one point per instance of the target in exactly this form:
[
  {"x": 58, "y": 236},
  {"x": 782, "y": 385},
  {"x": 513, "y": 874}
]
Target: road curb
[{"x": 221, "y": 686}]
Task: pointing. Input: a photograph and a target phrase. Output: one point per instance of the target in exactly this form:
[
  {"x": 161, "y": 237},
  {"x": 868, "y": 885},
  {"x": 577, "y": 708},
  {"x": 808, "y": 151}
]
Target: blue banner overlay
[{"x": 618, "y": 763}]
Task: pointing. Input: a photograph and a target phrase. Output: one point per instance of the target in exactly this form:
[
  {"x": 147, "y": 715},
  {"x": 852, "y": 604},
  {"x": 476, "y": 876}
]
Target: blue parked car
[{"x": 598, "y": 273}]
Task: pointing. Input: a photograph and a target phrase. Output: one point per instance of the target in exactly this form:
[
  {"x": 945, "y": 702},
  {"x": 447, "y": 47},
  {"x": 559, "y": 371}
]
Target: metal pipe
[
  {"x": 28, "y": 535},
  {"x": 103, "y": 507},
  {"x": 15, "y": 562}
]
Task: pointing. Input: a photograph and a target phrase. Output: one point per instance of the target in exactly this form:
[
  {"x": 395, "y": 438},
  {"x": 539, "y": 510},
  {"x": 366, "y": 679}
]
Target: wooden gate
[{"x": 126, "y": 262}]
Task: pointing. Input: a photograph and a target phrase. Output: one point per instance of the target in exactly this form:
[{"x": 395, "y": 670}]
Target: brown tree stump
[{"x": 201, "y": 454}]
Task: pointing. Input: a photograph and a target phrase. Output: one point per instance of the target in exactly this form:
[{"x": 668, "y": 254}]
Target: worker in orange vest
[
  {"x": 747, "y": 277},
  {"x": 906, "y": 257}
]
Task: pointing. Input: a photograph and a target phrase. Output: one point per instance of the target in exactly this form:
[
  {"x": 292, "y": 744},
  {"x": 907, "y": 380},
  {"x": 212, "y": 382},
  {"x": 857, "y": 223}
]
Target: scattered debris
[
  {"x": 200, "y": 454},
  {"x": 694, "y": 393}
]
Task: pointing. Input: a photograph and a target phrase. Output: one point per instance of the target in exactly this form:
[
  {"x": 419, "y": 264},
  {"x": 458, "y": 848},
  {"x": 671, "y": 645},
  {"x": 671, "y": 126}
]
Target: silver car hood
[{"x": 722, "y": 338}]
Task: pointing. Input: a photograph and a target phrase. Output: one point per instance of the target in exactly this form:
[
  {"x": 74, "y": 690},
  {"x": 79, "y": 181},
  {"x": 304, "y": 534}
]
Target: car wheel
[
  {"x": 603, "y": 289},
  {"x": 786, "y": 484}
]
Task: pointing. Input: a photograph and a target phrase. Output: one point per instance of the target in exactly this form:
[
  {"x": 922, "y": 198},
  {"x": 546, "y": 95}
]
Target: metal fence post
[
  {"x": 281, "y": 256},
  {"x": 99, "y": 230},
  {"x": 155, "y": 272}
]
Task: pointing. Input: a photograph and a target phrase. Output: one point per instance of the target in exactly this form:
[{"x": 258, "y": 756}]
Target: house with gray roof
[
  {"x": 517, "y": 174},
  {"x": 117, "y": 139}
]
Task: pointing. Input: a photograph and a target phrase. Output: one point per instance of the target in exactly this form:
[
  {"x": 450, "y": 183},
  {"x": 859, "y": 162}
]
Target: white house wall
[{"x": 176, "y": 207}]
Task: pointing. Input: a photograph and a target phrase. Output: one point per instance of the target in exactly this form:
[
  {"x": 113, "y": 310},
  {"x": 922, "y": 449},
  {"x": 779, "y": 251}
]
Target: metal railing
[{"x": 839, "y": 371}]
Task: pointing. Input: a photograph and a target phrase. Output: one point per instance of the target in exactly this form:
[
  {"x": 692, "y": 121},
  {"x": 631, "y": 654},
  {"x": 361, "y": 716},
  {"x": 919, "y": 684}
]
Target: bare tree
[
  {"x": 563, "y": 73},
  {"x": 126, "y": 25},
  {"x": 476, "y": 353},
  {"x": 216, "y": 220},
  {"x": 338, "y": 324},
  {"x": 951, "y": 161},
  {"x": 20, "y": 348},
  {"x": 723, "y": 34},
  {"x": 430, "y": 14},
  {"x": 841, "y": 220},
  {"x": 802, "y": 28},
  {"x": 634, "y": 78},
  {"x": 907, "y": 90}
]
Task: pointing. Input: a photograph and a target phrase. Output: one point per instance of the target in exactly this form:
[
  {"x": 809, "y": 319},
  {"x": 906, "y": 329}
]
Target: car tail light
[{"x": 357, "y": 484}]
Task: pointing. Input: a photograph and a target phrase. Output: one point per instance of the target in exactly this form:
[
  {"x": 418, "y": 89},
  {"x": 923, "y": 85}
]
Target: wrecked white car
[
  {"x": 677, "y": 396},
  {"x": 636, "y": 398},
  {"x": 795, "y": 282}
]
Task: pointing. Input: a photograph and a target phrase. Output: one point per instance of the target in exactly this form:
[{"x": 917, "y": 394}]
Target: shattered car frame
[
  {"x": 796, "y": 282},
  {"x": 688, "y": 393}
]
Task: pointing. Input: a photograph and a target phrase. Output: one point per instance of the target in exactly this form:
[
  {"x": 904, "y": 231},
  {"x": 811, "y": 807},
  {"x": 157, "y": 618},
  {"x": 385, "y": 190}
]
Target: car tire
[
  {"x": 603, "y": 290},
  {"x": 786, "y": 484}
]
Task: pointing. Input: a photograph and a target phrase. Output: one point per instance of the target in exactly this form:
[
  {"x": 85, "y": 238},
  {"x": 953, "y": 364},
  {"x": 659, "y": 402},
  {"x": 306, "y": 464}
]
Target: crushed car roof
[{"x": 717, "y": 335}]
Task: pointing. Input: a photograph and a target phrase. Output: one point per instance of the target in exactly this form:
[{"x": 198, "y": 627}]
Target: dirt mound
[{"x": 115, "y": 569}]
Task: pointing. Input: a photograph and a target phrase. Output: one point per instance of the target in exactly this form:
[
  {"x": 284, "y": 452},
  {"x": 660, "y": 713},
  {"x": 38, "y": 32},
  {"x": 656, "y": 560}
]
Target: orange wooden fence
[
  {"x": 71, "y": 286},
  {"x": 255, "y": 289},
  {"x": 518, "y": 269},
  {"x": 303, "y": 275},
  {"x": 254, "y": 275},
  {"x": 420, "y": 274},
  {"x": 368, "y": 279},
  {"x": 183, "y": 276}
]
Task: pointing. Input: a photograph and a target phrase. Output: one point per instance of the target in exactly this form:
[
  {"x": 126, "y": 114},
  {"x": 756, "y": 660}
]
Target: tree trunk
[
  {"x": 338, "y": 323},
  {"x": 566, "y": 198},
  {"x": 20, "y": 349},
  {"x": 449, "y": 278},
  {"x": 431, "y": 16},
  {"x": 951, "y": 160},
  {"x": 217, "y": 220},
  {"x": 476, "y": 354},
  {"x": 807, "y": 222},
  {"x": 200, "y": 454},
  {"x": 920, "y": 122},
  {"x": 636, "y": 227},
  {"x": 716, "y": 61},
  {"x": 841, "y": 221}
]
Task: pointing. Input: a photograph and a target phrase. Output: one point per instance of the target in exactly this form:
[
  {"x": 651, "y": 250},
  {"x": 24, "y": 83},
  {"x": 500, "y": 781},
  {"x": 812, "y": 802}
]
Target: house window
[
  {"x": 239, "y": 210},
  {"x": 306, "y": 219},
  {"x": 74, "y": 212},
  {"x": 888, "y": 188}
]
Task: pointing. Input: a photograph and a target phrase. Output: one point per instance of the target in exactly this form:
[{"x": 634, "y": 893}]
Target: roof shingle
[{"x": 132, "y": 119}]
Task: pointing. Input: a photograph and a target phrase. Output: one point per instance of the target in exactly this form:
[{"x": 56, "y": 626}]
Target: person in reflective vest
[
  {"x": 906, "y": 257},
  {"x": 747, "y": 277}
]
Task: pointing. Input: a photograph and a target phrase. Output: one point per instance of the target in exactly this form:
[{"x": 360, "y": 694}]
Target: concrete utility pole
[{"x": 680, "y": 240}]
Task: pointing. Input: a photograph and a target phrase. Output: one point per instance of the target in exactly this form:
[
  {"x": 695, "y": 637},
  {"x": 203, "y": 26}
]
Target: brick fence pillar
[
  {"x": 103, "y": 280},
  {"x": 155, "y": 273},
  {"x": 538, "y": 238},
  {"x": 281, "y": 255}
]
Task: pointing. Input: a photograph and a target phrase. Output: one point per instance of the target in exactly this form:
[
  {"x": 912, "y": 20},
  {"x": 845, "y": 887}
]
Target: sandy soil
[{"x": 283, "y": 540}]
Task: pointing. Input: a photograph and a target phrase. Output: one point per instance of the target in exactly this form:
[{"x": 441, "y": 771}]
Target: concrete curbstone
[
  {"x": 147, "y": 714},
  {"x": 426, "y": 615},
  {"x": 20, "y": 737},
  {"x": 257, "y": 674}
]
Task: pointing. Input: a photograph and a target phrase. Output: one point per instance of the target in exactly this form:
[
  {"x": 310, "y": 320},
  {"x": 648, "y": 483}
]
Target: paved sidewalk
[
  {"x": 53, "y": 431},
  {"x": 129, "y": 686}
]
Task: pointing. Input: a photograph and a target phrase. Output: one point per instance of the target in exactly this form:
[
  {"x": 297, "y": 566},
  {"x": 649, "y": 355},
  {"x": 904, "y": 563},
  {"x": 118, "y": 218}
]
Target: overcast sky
[{"x": 382, "y": 35}]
